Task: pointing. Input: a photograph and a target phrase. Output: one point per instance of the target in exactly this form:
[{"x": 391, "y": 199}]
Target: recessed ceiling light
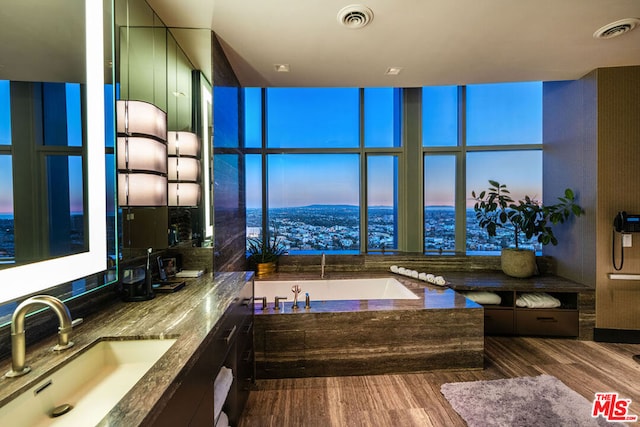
[
  {"x": 393, "y": 71},
  {"x": 617, "y": 28},
  {"x": 282, "y": 68}
]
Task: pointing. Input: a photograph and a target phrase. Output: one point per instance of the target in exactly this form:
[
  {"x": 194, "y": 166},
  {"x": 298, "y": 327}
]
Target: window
[
  {"x": 252, "y": 117},
  {"x": 504, "y": 114},
  {"x": 253, "y": 180},
  {"x": 48, "y": 163},
  {"x": 439, "y": 203},
  {"x": 313, "y": 201},
  {"x": 65, "y": 205},
  {"x": 381, "y": 117},
  {"x": 502, "y": 141},
  {"x": 7, "y": 242},
  {"x": 382, "y": 202},
  {"x": 314, "y": 154},
  {"x": 5, "y": 113},
  {"x": 313, "y": 118},
  {"x": 440, "y": 116},
  {"x": 340, "y": 175}
]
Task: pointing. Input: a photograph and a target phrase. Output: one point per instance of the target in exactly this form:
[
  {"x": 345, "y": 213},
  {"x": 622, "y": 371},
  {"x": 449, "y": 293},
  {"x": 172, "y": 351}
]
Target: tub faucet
[
  {"x": 296, "y": 289},
  {"x": 323, "y": 262},
  {"x": 18, "y": 342}
]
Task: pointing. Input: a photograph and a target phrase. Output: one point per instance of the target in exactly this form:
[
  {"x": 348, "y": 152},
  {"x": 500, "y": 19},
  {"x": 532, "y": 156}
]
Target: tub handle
[
  {"x": 277, "y": 302},
  {"x": 264, "y": 302}
]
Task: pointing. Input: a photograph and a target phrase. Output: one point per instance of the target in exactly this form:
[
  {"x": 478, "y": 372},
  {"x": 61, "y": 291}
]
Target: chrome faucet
[
  {"x": 322, "y": 264},
  {"x": 18, "y": 342},
  {"x": 296, "y": 289}
]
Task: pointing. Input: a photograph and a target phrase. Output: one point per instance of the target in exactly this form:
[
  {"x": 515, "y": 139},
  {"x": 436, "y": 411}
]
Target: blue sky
[
  {"x": 328, "y": 118},
  {"x": 509, "y": 113},
  {"x": 74, "y": 138}
]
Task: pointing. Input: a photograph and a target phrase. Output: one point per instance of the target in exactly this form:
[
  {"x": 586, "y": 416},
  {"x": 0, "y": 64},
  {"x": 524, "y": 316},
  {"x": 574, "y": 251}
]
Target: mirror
[
  {"x": 51, "y": 59},
  {"x": 171, "y": 69}
]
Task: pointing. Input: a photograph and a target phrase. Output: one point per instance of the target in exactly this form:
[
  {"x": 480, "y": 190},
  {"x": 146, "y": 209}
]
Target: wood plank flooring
[{"x": 415, "y": 400}]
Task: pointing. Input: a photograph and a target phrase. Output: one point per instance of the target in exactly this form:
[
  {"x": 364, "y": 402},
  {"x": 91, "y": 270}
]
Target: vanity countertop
[{"x": 188, "y": 315}]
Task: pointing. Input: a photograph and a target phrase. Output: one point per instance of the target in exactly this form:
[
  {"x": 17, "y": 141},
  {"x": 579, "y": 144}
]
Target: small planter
[
  {"x": 520, "y": 263},
  {"x": 265, "y": 268}
]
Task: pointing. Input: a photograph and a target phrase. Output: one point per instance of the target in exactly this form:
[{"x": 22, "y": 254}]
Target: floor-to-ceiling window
[
  {"x": 470, "y": 135},
  {"x": 327, "y": 168},
  {"x": 322, "y": 167}
]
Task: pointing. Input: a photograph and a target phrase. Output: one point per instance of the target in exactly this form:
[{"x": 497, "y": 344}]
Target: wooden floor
[{"x": 415, "y": 400}]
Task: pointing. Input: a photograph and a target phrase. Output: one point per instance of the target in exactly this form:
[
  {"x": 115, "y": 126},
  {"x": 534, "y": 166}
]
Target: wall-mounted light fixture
[
  {"x": 141, "y": 154},
  {"x": 184, "y": 169}
]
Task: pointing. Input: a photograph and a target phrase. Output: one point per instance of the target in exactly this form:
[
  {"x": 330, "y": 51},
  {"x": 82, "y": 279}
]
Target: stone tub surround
[
  {"x": 190, "y": 315},
  {"x": 439, "y": 330}
]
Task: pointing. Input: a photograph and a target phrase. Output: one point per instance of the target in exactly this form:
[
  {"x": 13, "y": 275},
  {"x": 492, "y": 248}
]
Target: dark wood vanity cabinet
[{"x": 230, "y": 346}]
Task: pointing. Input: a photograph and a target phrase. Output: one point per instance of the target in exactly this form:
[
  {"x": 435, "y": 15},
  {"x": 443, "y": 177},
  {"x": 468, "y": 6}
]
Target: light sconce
[
  {"x": 184, "y": 169},
  {"x": 141, "y": 154}
]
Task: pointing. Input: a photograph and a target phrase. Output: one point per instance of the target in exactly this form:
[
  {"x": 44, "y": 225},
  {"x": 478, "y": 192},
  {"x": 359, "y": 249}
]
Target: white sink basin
[{"x": 92, "y": 383}]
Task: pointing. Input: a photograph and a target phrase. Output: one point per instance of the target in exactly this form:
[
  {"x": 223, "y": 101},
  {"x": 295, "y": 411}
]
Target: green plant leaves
[{"x": 495, "y": 208}]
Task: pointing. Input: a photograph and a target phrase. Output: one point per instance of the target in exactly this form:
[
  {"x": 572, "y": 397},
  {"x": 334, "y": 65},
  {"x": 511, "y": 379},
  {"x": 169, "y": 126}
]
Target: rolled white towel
[
  {"x": 422, "y": 276},
  {"x": 221, "y": 387},
  {"x": 394, "y": 268},
  {"x": 483, "y": 297},
  {"x": 407, "y": 272},
  {"x": 223, "y": 420},
  {"x": 414, "y": 274},
  {"x": 537, "y": 300},
  {"x": 439, "y": 280},
  {"x": 401, "y": 270},
  {"x": 430, "y": 278}
]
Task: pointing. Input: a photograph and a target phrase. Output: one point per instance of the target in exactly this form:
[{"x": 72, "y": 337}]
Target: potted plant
[
  {"x": 495, "y": 209},
  {"x": 264, "y": 253}
]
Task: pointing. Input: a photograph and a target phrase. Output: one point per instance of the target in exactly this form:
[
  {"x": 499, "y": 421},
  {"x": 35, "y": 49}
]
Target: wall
[
  {"x": 592, "y": 137},
  {"x": 228, "y": 167},
  {"x": 618, "y": 92}
]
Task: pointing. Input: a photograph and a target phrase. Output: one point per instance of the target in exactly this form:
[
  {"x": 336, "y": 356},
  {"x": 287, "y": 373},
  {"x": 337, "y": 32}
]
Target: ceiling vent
[
  {"x": 355, "y": 16},
  {"x": 617, "y": 28}
]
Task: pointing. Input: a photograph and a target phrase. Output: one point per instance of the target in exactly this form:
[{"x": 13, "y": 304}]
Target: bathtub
[
  {"x": 335, "y": 290},
  {"x": 364, "y": 326}
]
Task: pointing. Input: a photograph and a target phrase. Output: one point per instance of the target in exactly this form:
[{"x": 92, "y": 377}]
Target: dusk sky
[
  {"x": 328, "y": 118},
  {"x": 74, "y": 138}
]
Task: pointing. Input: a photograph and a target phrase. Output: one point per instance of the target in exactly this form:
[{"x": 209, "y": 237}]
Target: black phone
[
  {"x": 161, "y": 272},
  {"x": 626, "y": 223}
]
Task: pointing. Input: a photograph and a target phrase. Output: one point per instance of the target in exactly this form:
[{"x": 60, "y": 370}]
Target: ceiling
[{"x": 435, "y": 42}]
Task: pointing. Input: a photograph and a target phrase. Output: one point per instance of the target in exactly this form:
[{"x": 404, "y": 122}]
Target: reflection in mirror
[
  {"x": 52, "y": 126},
  {"x": 169, "y": 68},
  {"x": 45, "y": 134}
]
